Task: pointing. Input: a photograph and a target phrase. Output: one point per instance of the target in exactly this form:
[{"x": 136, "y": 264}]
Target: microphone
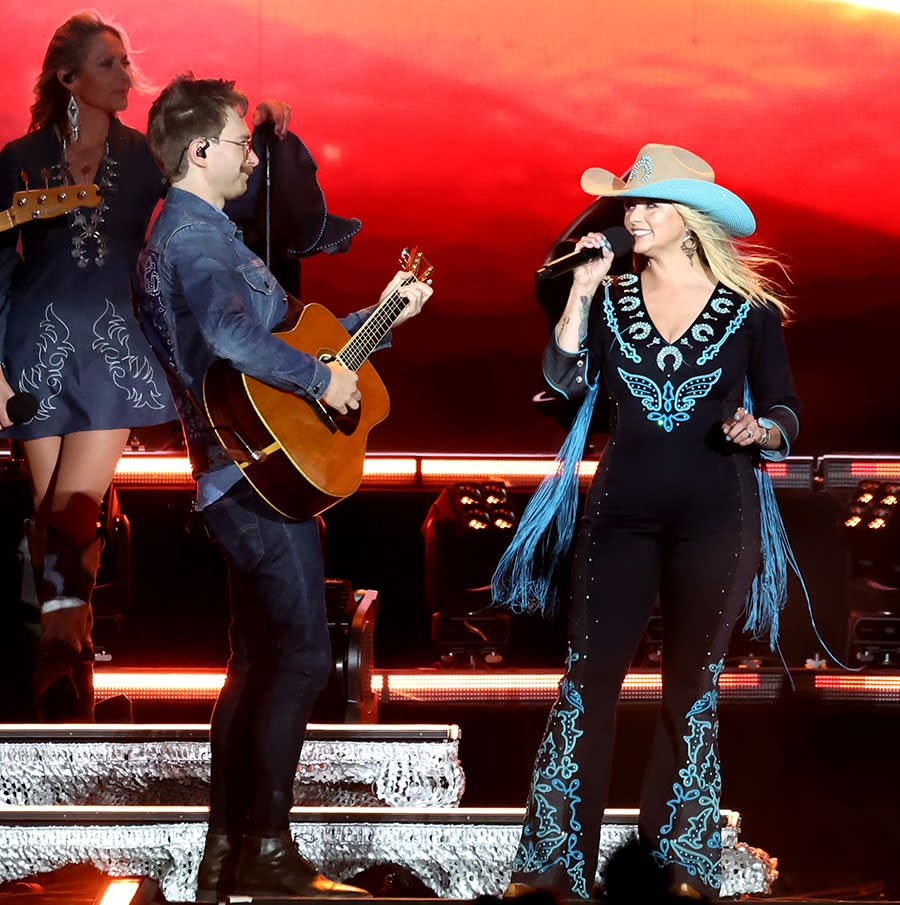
[
  {"x": 618, "y": 237},
  {"x": 21, "y": 407}
]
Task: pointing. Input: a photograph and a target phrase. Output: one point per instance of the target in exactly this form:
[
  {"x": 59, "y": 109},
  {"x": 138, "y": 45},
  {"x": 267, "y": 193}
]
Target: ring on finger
[{"x": 749, "y": 431}]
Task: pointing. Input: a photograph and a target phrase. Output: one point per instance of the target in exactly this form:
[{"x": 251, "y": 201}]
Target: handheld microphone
[
  {"x": 618, "y": 237},
  {"x": 21, "y": 407}
]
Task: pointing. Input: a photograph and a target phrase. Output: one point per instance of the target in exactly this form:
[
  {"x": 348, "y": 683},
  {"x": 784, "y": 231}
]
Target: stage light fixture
[
  {"x": 466, "y": 531},
  {"x": 131, "y": 891},
  {"x": 873, "y": 532}
]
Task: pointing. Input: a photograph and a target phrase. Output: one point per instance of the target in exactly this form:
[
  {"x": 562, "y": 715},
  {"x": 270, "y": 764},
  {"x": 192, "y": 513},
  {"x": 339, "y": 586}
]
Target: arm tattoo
[{"x": 583, "y": 315}]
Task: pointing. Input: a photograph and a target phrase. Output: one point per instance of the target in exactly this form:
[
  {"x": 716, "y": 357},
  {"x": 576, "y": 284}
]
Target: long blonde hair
[
  {"x": 740, "y": 266},
  {"x": 67, "y": 52},
  {"x": 736, "y": 265}
]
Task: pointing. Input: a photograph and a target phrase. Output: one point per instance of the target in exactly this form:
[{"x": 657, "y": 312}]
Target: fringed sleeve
[
  {"x": 771, "y": 383},
  {"x": 526, "y": 577},
  {"x": 769, "y": 394}
]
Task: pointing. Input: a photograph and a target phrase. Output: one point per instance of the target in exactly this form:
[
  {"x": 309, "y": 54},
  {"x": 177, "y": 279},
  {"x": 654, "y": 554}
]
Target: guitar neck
[{"x": 366, "y": 339}]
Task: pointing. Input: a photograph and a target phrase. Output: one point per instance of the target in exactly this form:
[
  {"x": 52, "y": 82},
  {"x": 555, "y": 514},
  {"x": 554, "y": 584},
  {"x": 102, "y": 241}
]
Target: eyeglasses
[{"x": 245, "y": 143}]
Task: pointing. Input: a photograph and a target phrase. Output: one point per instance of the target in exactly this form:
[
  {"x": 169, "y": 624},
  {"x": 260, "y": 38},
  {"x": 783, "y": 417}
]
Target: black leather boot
[
  {"x": 215, "y": 876},
  {"x": 272, "y": 866}
]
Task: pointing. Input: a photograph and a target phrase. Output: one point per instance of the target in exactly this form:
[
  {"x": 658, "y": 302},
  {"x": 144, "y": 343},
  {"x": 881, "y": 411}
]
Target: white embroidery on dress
[
  {"x": 131, "y": 373},
  {"x": 44, "y": 379}
]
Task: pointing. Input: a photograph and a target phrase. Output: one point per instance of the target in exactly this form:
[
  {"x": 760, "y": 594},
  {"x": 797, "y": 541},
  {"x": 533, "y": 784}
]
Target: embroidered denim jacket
[{"x": 202, "y": 295}]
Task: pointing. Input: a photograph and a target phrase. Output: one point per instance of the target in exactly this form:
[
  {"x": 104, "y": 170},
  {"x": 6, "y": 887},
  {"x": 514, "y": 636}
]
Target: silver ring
[{"x": 749, "y": 432}]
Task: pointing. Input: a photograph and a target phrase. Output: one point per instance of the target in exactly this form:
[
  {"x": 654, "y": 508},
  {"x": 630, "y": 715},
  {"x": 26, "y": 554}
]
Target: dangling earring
[
  {"x": 689, "y": 247},
  {"x": 74, "y": 116}
]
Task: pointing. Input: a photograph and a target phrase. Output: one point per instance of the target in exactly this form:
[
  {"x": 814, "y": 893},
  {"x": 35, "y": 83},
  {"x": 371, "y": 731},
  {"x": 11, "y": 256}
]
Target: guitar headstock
[
  {"x": 413, "y": 261},
  {"x": 38, "y": 204}
]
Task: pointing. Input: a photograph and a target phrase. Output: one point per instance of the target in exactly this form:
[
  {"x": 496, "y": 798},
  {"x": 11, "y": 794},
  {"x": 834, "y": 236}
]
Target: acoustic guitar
[
  {"x": 300, "y": 455},
  {"x": 39, "y": 204}
]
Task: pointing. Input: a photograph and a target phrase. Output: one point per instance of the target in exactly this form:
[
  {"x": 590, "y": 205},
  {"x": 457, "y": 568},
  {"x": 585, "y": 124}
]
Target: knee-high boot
[{"x": 65, "y": 578}]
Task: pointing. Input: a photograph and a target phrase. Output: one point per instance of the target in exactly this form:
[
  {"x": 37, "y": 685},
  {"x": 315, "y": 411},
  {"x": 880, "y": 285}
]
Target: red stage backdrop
[{"x": 464, "y": 125}]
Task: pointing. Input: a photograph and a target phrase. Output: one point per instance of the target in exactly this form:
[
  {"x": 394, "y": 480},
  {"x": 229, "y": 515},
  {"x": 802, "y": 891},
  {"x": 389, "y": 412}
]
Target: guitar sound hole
[{"x": 348, "y": 423}]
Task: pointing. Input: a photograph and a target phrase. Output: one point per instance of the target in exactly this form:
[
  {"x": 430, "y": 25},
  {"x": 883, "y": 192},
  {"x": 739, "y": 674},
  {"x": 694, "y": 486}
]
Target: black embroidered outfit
[{"x": 673, "y": 510}]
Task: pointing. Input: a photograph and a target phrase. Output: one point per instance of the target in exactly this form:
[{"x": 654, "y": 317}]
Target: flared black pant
[{"x": 698, "y": 553}]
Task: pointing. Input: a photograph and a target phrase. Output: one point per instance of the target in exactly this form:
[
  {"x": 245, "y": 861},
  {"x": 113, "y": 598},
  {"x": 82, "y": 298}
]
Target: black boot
[
  {"x": 215, "y": 876},
  {"x": 272, "y": 866}
]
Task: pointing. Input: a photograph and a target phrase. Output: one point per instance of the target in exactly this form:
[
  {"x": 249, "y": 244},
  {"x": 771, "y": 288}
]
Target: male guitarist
[{"x": 204, "y": 296}]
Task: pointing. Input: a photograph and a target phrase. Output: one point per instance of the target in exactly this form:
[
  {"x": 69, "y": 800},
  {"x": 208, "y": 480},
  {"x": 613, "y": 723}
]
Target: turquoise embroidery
[
  {"x": 711, "y": 351},
  {"x": 551, "y": 840},
  {"x": 699, "y": 847},
  {"x": 709, "y": 324},
  {"x": 669, "y": 352},
  {"x": 668, "y": 405},
  {"x": 723, "y": 304},
  {"x": 627, "y": 348}
]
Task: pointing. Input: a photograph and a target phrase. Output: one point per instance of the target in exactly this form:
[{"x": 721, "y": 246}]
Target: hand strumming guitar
[{"x": 341, "y": 393}]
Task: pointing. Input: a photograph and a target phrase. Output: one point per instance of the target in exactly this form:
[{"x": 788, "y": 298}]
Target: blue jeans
[{"x": 280, "y": 660}]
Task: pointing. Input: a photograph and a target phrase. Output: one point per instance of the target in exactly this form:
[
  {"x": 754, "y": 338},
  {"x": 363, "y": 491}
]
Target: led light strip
[
  {"x": 875, "y": 470},
  {"x": 204, "y": 685},
  {"x": 871, "y": 684},
  {"x": 427, "y": 470}
]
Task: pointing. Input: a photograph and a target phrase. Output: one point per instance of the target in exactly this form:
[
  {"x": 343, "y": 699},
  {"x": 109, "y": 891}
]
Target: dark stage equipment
[
  {"x": 466, "y": 531},
  {"x": 649, "y": 653},
  {"x": 348, "y": 697},
  {"x": 873, "y": 638}
]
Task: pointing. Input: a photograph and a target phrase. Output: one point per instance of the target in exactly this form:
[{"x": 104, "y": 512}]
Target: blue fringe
[
  {"x": 525, "y": 578},
  {"x": 768, "y": 594}
]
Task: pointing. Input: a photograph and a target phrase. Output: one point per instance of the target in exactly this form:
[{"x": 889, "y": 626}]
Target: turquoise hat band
[{"x": 713, "y": 200}]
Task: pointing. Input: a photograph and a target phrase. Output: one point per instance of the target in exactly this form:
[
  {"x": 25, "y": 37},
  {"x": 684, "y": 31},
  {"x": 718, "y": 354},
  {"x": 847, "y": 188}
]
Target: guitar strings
[{"x": 364, "y": 341}]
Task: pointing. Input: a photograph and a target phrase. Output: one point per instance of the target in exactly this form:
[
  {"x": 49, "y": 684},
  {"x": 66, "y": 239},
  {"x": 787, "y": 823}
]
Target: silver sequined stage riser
[
  {"x": 340, "y": 766},
  {"x": 457, "y": 853}
]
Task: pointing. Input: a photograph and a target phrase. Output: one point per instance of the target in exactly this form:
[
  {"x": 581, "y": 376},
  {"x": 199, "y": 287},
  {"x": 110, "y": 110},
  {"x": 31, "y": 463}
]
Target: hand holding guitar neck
[{"x": 412, "y": 283}]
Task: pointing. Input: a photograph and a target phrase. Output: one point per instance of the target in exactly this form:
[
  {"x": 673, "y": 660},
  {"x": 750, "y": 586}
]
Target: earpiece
[
  {"x": 201, "y": 151},
  {"x": 67, "y": 78}
]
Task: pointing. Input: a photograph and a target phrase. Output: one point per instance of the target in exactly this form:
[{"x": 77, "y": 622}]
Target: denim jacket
[{"x": 202, "y": 295}]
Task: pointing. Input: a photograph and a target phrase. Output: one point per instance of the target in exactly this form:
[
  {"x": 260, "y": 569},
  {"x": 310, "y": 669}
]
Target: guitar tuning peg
[
  {"x": 428, "y": 281},
  {"x": 404, "y": 254}
]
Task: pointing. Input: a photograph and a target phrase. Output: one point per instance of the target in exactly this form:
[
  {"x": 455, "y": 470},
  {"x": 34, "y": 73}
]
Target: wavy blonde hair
[
  {"x": 67, "y": 51},
  {"x": 737, "y": 265}
]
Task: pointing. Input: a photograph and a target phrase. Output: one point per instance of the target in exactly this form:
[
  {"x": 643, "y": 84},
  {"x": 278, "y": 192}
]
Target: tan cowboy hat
[{"x": 669, "y": 173}]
